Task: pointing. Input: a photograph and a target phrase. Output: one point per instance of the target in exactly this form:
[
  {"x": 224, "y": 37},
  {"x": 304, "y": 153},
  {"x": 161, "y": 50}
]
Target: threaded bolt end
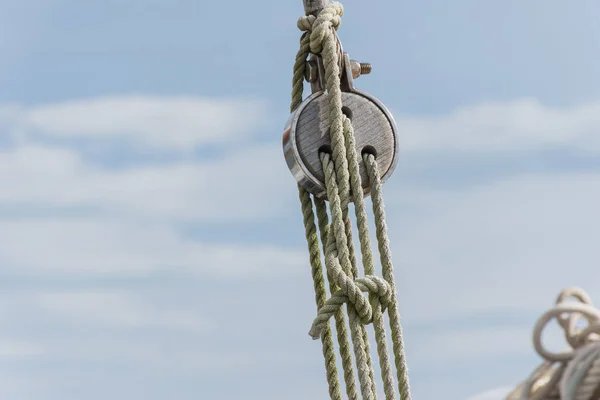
[{"x": 365, "y": 68}]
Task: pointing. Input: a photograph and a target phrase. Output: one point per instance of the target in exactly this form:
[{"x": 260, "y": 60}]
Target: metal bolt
[
  {"x": 359, "y": 68},
  {"x": 365, "y": 68}
]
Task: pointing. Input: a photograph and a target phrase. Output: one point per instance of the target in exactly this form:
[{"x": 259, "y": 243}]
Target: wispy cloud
[
  {"x": 520, "y": 125},
  {"x": 116, "y": 309},
  {"x": 185, "y": 123},
  {"x": 242, "y": 185},
  {"x": 494, "y": 394},
  {"x": 460, "y": 253},
  {"x": 507, "y": 246},
  {"x": 111, "y": 247},
  {"x": 13, "y": 349},
  {"x": 178, "y": 123}
]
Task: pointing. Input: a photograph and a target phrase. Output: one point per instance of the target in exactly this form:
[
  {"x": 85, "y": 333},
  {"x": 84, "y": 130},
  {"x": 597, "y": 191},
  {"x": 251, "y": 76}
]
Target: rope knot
[
  {"x": 305, "y": 23},
  {"x": 352, "y": 292},
  {"x": 319, "y": 27}
]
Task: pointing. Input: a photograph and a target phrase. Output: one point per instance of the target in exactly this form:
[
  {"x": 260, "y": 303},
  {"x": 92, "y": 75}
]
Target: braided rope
[
  {"x": 388, "y": 274},
  {"x": 340, "y": 319},
  {"x": 337, "y": 262},
  {"x": 320, "y": 292},
  {"x": 306, "y": 24},
  {"x": 572, "y": 374},
  {"x": 343, "y": 185},
  {"x": 372, "y": 284},
  {"x": 323, "y": 40}
]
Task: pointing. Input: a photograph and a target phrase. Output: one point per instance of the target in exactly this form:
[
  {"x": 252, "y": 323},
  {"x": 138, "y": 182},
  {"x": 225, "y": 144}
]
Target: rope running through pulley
[{"x": 340, "y": 144}]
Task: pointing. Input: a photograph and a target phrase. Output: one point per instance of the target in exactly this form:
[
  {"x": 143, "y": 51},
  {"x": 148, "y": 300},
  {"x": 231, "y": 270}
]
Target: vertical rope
[
  {"x": 343, "y": 185},
  {"x": 320, "y": 292},
  {"x": 323, "y": 40},
  {"x": 337, "y": 254},
  {"x": 340, "y": 319},
  {"x": 299, "y": 71},
  {"x": 388, "y": 274},
  {"x": 367, "y": 261}
]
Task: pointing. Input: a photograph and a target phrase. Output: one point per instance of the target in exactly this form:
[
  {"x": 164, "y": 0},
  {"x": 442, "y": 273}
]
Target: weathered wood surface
[{"x": 373, "y": 132}]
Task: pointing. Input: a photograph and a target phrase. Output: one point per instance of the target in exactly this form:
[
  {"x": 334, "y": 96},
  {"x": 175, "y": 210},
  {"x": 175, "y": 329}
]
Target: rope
[
  {"x": 343, "y": 184},
  {"x": 388, "y": 274},
  {"x": 320, "y": 292},
  {"x": 572, "y": 374}
]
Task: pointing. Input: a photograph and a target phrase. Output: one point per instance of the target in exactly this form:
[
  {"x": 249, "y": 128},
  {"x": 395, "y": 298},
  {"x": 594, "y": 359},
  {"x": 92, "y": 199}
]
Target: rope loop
[
  {"x": 570, "y": 312},
  {"x": 573, "y": 374},
  {"x": 353, "y": 295},
  {"x": 323, "y": 28},
  {"x": 331, "y": 16}
]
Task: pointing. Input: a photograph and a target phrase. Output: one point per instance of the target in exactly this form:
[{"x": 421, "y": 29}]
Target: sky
[{"x": 151, "y": 239}]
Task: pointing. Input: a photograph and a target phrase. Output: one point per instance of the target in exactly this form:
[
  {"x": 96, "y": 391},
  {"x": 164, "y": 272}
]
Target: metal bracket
[
  {"x": 315, "y": 69},
  {"x": 315, "y": 73},
  {"x": 347, "y": 80},
  {"x": 350, "y": 70}
]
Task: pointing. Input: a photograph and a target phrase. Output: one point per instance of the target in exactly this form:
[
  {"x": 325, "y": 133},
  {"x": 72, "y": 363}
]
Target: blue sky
[{"x": 151, "y": 243}]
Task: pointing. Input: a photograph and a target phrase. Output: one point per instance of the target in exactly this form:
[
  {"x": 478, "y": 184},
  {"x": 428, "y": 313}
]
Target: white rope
[
  {"x": 573, "y": 374},
  {"x": 343, "y": 184}
]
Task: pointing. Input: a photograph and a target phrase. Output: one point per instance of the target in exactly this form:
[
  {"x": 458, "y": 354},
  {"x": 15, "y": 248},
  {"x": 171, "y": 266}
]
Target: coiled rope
[
  {"x": 573, "y": 374},
  {"x": 342, "y": 178}
]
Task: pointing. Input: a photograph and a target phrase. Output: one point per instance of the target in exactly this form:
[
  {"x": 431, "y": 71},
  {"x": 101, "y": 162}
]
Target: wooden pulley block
[{"x": 307, "y": 133}]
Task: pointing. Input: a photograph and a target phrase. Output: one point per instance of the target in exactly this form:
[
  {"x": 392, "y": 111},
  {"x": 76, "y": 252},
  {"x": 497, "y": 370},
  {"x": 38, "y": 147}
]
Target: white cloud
[
  {"x": 179, "y": 123},
  {"x": 475, "y": 343},
  {"x": 112, "y": 308},
  {"x": 242, "y": 185},
  {"x": 18, "y": 348},
  {"x": 111, "y": 247},
  {"x": 245, "y": 183},
  {"x": 494, "y": 394},
  {"x": 10, "y": 114},
  {"x": 516, "y": 125},
  {"x": 500, "y": 232},
  {"x": 189, "y": 356},
  {"x": 508, "y": 246},
  {"x": 22, "y": 385},
  {"x": 184, "y": 123}
]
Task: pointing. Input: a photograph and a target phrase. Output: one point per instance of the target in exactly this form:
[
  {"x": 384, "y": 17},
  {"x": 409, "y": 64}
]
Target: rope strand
[
  {"x": 388, "y": 274},
  {"x": 320, "y": 293},
  {"x": 573, "y": 374},
  {"x": 343, "y": 185}
]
